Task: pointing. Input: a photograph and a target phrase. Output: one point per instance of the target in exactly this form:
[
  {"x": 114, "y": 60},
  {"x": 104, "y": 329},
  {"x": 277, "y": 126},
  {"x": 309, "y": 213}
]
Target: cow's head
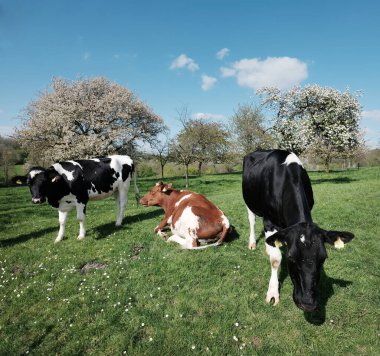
[
  {"x": 306, "y": 255},
  {"x": 157, "y": 194},
  {"x": 39, "y": 180}
]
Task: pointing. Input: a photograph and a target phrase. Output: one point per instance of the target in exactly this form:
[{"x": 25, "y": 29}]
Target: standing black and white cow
[
  {"x": 70, "y": 184},
  {"x": 277, "y": 188}
]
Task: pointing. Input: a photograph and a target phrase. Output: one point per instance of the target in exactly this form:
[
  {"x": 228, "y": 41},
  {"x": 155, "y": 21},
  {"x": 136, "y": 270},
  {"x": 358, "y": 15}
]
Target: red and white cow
[{"x": 193, "y": 219}]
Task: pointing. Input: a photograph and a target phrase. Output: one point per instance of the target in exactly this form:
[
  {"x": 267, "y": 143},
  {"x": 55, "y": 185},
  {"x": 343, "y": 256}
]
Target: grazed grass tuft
[{"x": 153, "y": 298}]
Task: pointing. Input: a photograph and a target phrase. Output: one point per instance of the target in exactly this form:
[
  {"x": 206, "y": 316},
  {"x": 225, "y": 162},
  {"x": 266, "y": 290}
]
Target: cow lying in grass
[
  {"x": 71, "y": 184},
  {"x": 193, "y": 219}
]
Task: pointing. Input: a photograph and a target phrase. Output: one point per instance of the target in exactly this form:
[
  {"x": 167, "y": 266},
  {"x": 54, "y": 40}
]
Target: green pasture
[{"x": 152, "y": 298}]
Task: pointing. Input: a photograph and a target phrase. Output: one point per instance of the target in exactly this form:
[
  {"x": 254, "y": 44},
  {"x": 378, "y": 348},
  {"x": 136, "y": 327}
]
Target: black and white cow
[
  {"x": 277, "y": 188},
  {"x": 70, "y": 184}
]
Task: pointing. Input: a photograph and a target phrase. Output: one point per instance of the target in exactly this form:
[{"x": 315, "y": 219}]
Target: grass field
[{"x": 153, "y": 298}]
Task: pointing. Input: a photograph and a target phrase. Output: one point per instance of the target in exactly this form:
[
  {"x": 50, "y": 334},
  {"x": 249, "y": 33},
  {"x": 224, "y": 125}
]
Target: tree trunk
[
  {"x": 326, "y": 163},
  {"x": 6, "y": 173},
  {"x": 187, "y": 176},
  {"x": 200, "y": 168},
  {"x": 162, "y": 171}
]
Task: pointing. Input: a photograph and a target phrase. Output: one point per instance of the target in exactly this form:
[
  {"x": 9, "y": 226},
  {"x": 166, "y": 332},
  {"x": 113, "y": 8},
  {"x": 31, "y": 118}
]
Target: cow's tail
[
  {"x": 214, "y": 244},
  {"x": 136, "y": 189}
]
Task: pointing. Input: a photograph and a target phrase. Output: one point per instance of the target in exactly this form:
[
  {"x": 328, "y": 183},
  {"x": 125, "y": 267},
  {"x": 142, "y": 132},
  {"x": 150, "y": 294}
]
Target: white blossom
[
  {"x": 320, "y": 119},
  {"x": 85, "y": 118}
]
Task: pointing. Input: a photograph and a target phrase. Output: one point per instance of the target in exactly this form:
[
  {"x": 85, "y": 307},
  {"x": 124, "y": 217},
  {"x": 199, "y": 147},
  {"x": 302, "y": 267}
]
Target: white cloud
[
  {"x": 222, "y": 53},
  {"x": 281, "y": 72},
  {"x": 183, "y": 61},
  {"x": 208, "y": 82},
  {"x": 371, "y": 114},
  {"x": 206, "y": 116}
]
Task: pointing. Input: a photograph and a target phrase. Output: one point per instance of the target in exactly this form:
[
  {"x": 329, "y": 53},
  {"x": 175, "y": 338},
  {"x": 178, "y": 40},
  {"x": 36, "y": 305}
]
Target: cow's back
[
  {"x": 97, "y": 177},
  {"x": 273, "y": 189}
]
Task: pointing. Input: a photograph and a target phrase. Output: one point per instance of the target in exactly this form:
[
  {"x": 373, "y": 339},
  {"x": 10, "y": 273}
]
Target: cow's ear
[
  {"x": 54, "y": 177},
  {"x": 21, "y": 180},
  {"x": 277, "y": 239},
  {"x": 167, "y": 188},
  {"x": 159, "y": 184},
  {"x": 338, "y": 238}
]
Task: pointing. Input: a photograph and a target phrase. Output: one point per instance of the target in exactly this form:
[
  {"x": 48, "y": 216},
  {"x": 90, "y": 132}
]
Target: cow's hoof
[
  {"x": 118, "y": 224},
  {"x": 58, "y": 239},
  {"x": 252, "y": 246},
  {"x": 80, "y": 237},
  {"x": 163, "y": 235},
  {"x": 273, "y": 296}
]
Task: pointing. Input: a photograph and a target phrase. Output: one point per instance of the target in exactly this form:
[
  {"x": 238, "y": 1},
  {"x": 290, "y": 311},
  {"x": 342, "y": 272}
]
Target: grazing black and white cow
[
  {"x": 277, "y": 188},
  {"x": 70, "y": 184}
]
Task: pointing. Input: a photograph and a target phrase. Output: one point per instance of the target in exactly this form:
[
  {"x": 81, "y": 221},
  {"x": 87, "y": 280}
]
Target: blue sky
[{"x": 167, "y": 51}]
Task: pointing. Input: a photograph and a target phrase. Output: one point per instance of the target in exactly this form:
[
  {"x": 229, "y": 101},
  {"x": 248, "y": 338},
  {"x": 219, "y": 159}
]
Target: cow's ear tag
[
  {"x": 18, "y": 181},
  {"x": 339, "y": 244},
  {"x": 278, "y": 243}
]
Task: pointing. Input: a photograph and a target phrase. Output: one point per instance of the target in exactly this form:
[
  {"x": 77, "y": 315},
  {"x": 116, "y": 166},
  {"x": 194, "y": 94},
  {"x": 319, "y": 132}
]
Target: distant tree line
[{"x": 96, "y": 117}]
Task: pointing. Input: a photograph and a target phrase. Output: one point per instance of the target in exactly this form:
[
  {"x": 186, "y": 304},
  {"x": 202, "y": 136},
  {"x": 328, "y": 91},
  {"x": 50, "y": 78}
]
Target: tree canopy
[
  {"x": 322, "y": 120},
  {"x": 248, "y": 130},
  {"x": 199, "y": 141},
  {"x": 85, "y": 118}
]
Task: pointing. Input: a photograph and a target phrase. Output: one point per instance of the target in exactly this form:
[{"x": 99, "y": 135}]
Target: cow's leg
[
  {"x": 121, "y": 201},
  {"x": 158, "y": 229},
  {"x": 62, "y": 216},
  {"x": 252, "y": 240},
  {"x": 275, "y": 262},
  {"x": 186, "y": 243},
  {"x": 81, "y": 217},
  {"x": 161, "y": 233}
]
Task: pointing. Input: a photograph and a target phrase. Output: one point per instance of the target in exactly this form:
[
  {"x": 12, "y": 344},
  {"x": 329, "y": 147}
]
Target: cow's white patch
[
  {"x": 75, "y": 163},
  {"x": 292, "y": 158},
  {"x": 187, "y": 225},
  {"x": 225, "y": 221},
  {"x": 58, "y": 167},
  {"x": 302, "y": 238},
  {"x": 170, "y": 219},
  {"x": 95, "y": 159},
  {"x": 67, "y": 202},
  {"x": 118, "y": 161},
  {"x": 187, "y": 196},
  {"x": 34, "y": 172},
  {"x": 270, "y": 233}
]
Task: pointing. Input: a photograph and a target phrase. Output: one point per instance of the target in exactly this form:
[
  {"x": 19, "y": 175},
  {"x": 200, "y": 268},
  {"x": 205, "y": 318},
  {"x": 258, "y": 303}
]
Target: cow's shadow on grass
[
  {"x": 326, "y": 291},
  {"x": 105, "y": 230},
  {"x": 232, "y": 235},
  {"x": 26, "y": 237}
]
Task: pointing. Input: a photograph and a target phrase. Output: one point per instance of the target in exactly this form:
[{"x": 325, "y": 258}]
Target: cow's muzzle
[
  {"x": 143, "y": 203},
  {"x": 307, "y": 307}
]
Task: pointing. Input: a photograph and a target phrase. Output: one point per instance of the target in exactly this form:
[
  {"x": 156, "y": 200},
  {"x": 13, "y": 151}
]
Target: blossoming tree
[
  {"x": 85, "y": 118},
  {"x": 318, "y": 119}
]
